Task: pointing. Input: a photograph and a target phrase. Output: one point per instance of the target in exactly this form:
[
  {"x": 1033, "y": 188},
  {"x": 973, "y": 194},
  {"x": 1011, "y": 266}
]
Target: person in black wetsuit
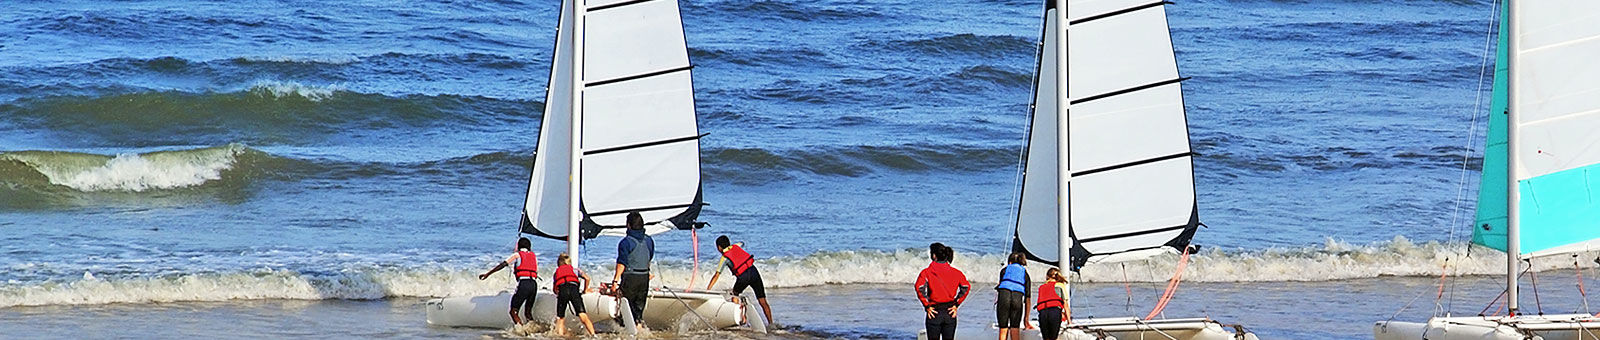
[
  {"x": 1011, "y": 307},
  {"x": 942, "y": 289},
  {"x": 743, "y": 266},
  {"x": 634, "y": 254},
  {"x": 569, "y": 295},
  {"x": 1053, "y": 308},
  {"x": 526, "y": 269}
]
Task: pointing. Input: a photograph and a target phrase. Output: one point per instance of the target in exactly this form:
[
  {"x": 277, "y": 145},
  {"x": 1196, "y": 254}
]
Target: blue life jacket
[{"x": 1012, "y": 277}]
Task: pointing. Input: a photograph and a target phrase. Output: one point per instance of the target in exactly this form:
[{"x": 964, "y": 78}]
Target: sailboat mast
[
  {"x": 1513, "y": 237},
  {"x": 575, "y": 179},
  {"x": 1063, "y": 122}
]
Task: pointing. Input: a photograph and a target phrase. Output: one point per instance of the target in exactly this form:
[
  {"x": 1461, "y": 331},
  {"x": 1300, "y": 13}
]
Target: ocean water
[{"x": 292, "y": 162}]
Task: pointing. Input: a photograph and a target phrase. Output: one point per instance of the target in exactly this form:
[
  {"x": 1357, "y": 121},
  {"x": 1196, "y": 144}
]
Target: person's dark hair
[
  {"x": 947, "y": 254},
  {"x": 524, "y": 243},
  {"x": 635, "y": 221},
  {"x": 1019, "y": 258},
  {"x": 722, "y": 242},
  {"x": 1054, "y": 275},
  {"x": 936, "y": 251}
]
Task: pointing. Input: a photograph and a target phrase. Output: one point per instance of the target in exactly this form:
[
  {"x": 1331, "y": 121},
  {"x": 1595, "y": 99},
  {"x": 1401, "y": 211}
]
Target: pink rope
[
  {"x": 1172, "y": 285},
  {"x": 694, "y": 239}
]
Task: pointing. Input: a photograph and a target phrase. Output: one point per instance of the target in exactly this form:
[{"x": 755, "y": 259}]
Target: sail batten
[
  {"x": 1119, "y": 12},
  {"x": 645, "y": 144},
  {"x": 1127, "y": 90},
  {"x": 1133, "y": 163},
  {"x": 638, "y": 76},
  {"x": 1131, "y": 187},
  {"x": 604, "y": 6}
]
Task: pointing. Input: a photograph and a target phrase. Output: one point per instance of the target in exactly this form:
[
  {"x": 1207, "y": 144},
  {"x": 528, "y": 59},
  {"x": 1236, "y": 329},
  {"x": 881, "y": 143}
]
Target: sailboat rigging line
[
  {"x": 1534, "y": 276},
  {"x": 1502, "y": 295},
  {"x": 1119, "y": 12},
  {"x": 637, "y": 76},
  {"x": 689, "y": 308},
  {"x": 1472, "y": 134},
  {"x": 624, "y": 211},
  {"x": 1127, "y": 285},
  {"x": 1136, "y": 233},
  {"x": 1128, "y": 90},
  {"x": 645, "y": 144},
  {"x": 1129, "y": 164},
  {"x": 1438, "y": 300},
  {"x": 1172, "y": 285},
  {"x": 1579, "y": 270},
  {"x": 615, "y": 5}
]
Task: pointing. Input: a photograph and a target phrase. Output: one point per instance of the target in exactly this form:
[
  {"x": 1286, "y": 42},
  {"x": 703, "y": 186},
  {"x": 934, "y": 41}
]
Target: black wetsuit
[
  {"x": 568, "y": 294},
  {"x": 943, "y": 323},
  {"x": 634, "y": 253},
  {"x": 1050, "y": 323},
  {"x": 749, "y": 278}
]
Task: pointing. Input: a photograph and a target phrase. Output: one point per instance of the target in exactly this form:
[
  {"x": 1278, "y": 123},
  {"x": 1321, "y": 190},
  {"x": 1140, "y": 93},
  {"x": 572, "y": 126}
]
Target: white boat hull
[
  {"x": 666, "y": 309},
  {"x": 1127, "y": 328},
  {"x": 1545, "y": 327}
]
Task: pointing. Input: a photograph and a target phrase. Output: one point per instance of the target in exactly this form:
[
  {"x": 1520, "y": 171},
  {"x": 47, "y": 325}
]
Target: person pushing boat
[
  {"x": 565, "y": 283},
  {"x": 1011, "y": 306},
  {"x": 1052, "y": 307},
  {"x": 634, "y": 254},
  {"x": 525, "y": 266},
  {"x": 743, "y": 266},
  {"x": 942, "y": 289}
]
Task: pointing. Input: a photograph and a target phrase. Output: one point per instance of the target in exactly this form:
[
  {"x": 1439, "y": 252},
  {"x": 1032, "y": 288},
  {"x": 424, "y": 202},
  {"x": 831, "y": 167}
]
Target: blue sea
[{"x": 317, "y": 169}]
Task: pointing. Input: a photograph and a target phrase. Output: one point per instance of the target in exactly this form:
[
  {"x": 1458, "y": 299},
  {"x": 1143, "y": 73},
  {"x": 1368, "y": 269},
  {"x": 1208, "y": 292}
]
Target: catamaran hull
[
  {"x": 1547, "y": 327},
  {"x": 1127, "y": 328},
  {"x": 665, "y": 310}
]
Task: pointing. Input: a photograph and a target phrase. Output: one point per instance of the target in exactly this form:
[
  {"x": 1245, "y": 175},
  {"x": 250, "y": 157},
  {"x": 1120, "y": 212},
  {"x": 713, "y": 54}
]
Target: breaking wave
[
  {"x": 251, "y": 285},
  {"x": 1328, "y": 262},
  {"x": 124, "y": 172}
]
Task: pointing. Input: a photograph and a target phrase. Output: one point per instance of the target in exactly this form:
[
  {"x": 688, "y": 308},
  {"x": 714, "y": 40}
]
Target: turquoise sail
[
  {"x": 1558, "y": 210},
  {"x": 1490, "y": 227}
]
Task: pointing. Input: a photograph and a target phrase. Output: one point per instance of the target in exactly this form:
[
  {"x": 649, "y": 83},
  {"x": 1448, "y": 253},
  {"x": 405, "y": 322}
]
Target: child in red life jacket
[
  {"x": 1052, "y": 305},
  {"x": 526, "y": 269},
  {"x": 568, "y": 294},
  {"x": 942, "y": 289},
  {"x": 743, "y": 266}
]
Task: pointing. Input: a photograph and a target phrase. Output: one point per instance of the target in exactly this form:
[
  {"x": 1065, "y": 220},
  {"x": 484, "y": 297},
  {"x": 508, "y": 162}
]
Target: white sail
[
  {"x": 1037, "y": 212},
  {"x": 640, "y": 142},
  {"x": 545, "y": 213},
  {"x": 1131, "y": 191},
  {"x": 1555, "y": 105}
]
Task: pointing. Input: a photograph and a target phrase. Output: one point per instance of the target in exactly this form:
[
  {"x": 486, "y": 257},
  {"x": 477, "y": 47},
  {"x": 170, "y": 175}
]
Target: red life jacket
[
  {"x": 565, "y": 275},
  {"x": 527, "y": 265},
  {"x": 739, "y": 259},
  {"x": 1048, "y": 297}
]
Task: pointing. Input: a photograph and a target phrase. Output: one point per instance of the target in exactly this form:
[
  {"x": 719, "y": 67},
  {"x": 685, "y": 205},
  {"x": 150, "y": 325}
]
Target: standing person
[
  {"x": 743, "y": 266},
  {"x": 565, "y": 283},
  {"x": 1053, "y": 307},
  {"x": 526, "y": 269},
  {"x": 634, "y": 254},
  {"x": 1011, "y": 307},
  {"x": 942, "y": 289}
]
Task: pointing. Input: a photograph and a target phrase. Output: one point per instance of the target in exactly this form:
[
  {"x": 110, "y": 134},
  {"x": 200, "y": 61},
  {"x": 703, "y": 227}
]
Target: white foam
[
  {"x": 252, "y": 285},
  {"x": 282, "y": 89},
  {"x": 1328, "y": 262},
  {"x": 132, "y": 172}
]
